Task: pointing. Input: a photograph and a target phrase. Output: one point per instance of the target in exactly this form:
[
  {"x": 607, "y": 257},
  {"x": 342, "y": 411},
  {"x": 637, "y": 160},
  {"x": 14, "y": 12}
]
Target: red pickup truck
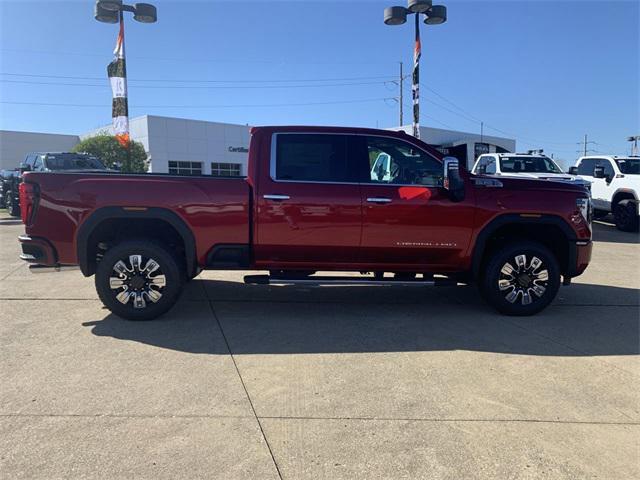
[{"x": 377, "y": 202}]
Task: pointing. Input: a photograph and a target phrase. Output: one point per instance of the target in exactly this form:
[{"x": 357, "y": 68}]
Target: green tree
[{"x": 113, "y": 154}]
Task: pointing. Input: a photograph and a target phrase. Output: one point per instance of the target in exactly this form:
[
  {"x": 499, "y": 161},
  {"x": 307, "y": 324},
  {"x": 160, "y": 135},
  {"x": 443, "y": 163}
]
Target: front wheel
[
  {"x": 521, "y": 278},
  {"x": 626, "y": 217},
  {"x": 139, "y": 280}
]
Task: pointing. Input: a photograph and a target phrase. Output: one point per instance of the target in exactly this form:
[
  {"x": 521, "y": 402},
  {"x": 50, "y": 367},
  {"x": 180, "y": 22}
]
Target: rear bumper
[
  {"x": 38, "y": 251},
  {"x": 579, "y": 257}
]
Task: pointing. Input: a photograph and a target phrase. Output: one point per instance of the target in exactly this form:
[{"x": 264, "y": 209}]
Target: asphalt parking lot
[{"x": 354, "y": 383}]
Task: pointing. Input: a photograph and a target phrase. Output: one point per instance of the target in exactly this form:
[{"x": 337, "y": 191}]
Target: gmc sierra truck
[{"x": 311, "y": 202}]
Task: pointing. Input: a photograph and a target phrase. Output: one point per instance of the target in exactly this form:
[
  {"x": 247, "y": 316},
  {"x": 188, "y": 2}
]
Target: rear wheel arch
[
  {"x": 151, "y": 223},
  {"x": 551, "y": 231}
]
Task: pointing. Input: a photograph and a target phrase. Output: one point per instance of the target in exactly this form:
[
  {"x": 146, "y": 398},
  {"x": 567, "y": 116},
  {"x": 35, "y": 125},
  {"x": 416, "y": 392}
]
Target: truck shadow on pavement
[
  {"x": 369, "y": 320},
  {"x": 604, "y": 231}
]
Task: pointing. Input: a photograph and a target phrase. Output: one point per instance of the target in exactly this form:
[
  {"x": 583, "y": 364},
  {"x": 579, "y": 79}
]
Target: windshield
[
  {"x": 629, "y": 166},
  {"x": 73, "y": 162},
  {"x": 528, "y": 165}
]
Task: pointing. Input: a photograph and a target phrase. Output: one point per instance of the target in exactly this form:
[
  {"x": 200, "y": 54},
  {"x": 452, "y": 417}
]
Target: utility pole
[
  {"x": 401, "y": 96},
  {"x": 481, "y": 132},
  {"x": 585, "y": 143}
]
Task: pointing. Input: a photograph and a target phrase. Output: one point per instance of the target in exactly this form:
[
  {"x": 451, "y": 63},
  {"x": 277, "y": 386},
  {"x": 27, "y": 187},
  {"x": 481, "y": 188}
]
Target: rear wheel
[
  {"x": 139, "y": 280},
  {"x": 626, "y": 217},
  {"x": 13, "y": 207},
  {"x": 521, "y": 278}
]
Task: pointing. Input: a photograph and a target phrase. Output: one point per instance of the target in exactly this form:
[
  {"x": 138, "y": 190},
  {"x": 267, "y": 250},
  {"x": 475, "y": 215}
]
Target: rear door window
[{"x": 312, "y": 158}]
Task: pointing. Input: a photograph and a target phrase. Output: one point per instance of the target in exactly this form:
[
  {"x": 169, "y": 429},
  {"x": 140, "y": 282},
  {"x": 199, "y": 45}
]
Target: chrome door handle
[
  {"x": 276, "y": 197},
  {"x": 378, "y": 200}
]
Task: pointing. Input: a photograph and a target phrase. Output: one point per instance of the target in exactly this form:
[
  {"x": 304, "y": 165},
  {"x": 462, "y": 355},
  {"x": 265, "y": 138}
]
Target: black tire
[
  {"x": 191, "y": 277},
  {"x": 12, "y": 205},
  {"x": 497, "y": 287},
  {"x": 133, "y": 277},
  {"x": 599, "y": 214},
  {"x": 626, "y": 217}
]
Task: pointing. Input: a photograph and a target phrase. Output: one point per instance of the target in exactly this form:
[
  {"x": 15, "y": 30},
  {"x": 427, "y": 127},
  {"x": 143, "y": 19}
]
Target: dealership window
[
  {"x": 225, "y": 169},
  {"x": 185, "y": 168}
]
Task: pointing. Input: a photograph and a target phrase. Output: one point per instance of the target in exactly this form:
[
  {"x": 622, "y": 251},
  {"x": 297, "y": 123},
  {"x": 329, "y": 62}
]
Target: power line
[
  {"x": 472, "y": 118},
  {"x": 199, "y": 60},
  {"x": 69, "y": 77},
  {"x": 191, "y": 87},
  {"x": 336, "y": 102}
]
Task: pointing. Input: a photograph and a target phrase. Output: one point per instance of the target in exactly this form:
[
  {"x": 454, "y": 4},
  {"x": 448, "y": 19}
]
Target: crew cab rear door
[
  {"x": 408, "y": 218},
  {"x": 308, "y": 201}
]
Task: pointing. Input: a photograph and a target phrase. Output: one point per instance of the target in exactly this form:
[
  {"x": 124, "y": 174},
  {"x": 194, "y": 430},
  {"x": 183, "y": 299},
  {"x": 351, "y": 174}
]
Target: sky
[{"x": 543, "y": 72}]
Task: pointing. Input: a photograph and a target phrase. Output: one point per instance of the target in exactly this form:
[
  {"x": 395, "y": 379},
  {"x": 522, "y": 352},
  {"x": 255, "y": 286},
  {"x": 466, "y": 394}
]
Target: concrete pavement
[{"x": 265, "y": 382}]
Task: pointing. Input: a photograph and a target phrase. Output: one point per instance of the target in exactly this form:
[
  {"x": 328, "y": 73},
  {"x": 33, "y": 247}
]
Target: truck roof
[
  {"x": 400, "y": 134},
  {"x": 327, "y": 128}
]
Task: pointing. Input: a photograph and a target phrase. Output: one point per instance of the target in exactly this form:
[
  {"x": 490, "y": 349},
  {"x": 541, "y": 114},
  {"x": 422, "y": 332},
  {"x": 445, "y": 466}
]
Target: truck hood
[
  {"x": 541, "y": 176},
  {"x": 521, "y": 183}
]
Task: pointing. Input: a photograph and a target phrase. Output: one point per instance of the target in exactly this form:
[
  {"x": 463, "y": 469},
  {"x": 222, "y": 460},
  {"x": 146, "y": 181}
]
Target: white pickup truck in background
[
  {"x": 523, "y": 165},
  {"x": 615, "y": 187}
]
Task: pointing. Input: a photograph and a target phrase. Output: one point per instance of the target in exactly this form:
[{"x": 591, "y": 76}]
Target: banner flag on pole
[
  {"x": 415, "y": 87},
  {"x": 117, "y": 71}
]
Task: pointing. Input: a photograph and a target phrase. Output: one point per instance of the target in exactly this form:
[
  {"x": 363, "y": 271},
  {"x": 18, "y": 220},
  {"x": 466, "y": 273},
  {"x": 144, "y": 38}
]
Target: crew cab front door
[
  {"x": 409, "y": 222},
  {"x": 309, "y": 210},
  {"x": 601, "y": 190}
]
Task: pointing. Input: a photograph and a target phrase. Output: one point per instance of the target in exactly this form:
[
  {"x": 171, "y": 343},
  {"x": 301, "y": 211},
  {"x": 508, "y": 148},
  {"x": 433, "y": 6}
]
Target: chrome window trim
[{"x": 272, "y": 161}]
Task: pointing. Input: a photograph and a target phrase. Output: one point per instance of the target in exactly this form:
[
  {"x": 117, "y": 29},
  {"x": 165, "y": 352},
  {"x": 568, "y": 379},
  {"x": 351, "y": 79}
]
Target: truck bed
[{"x": 215, "y": 209}]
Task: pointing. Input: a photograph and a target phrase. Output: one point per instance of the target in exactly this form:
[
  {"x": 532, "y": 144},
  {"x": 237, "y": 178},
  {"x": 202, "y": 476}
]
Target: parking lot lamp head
[
  {"x": 111, "y": 5},
  {"x": 106, "y": 16},
  {"x": 419, "y": 6},
  {"x": 145, "y": 13},
  {"x": 436, "y": 15},
  {"x": 395, "y": 15}
]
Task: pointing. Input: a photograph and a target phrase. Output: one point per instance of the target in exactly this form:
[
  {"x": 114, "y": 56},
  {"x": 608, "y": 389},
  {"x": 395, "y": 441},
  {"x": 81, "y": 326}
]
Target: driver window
[
  {"x": 37, "y": 165},
  {"x": 393, "y": 161},
  {"x": 608, "y": 169},
  {"x": 490, "y": 168}
]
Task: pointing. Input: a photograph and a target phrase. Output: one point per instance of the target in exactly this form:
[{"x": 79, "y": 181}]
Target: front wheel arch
[{"x": 549, "y": 230}]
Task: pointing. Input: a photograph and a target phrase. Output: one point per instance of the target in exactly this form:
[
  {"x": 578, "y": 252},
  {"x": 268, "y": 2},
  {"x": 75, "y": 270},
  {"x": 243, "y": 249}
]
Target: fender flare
[
  {"x": 626, "y": 191},
  {"x": 516, "y": 219},
  {"x": 154, "y": 213}
]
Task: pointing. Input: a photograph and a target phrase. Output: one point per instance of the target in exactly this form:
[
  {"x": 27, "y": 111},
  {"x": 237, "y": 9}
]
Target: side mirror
[
  {"x": 573, "y": 170},
  {"x": 24, "y": 168},
  {"x": 598, "y": 172},
  {"x": 452, "y": 181}
]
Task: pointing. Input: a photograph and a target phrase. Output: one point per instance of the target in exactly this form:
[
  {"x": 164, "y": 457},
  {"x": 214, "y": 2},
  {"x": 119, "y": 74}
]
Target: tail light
[{"x": 28, "y": 201}]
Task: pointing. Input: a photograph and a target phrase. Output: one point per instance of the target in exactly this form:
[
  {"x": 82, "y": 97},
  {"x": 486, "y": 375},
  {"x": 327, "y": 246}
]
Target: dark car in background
[{"x": 43, "y": 162}]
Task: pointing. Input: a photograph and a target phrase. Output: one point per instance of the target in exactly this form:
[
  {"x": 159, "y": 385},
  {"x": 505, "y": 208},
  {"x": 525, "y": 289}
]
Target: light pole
[
  {"x": 634, "y": 144},
  {"x": 433, "y": 15},
  {"x": 112, "y": 11}
]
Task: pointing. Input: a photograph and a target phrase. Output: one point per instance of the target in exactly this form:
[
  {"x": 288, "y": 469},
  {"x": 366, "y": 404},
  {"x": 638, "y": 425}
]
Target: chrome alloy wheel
[
  {"x": 524, "y": 281},
  {"x": 138, "y": 284}
]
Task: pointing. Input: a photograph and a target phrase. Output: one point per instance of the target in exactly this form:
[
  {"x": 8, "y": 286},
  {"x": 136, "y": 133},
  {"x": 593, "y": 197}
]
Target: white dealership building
[{"x": 183, "y": 146}]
